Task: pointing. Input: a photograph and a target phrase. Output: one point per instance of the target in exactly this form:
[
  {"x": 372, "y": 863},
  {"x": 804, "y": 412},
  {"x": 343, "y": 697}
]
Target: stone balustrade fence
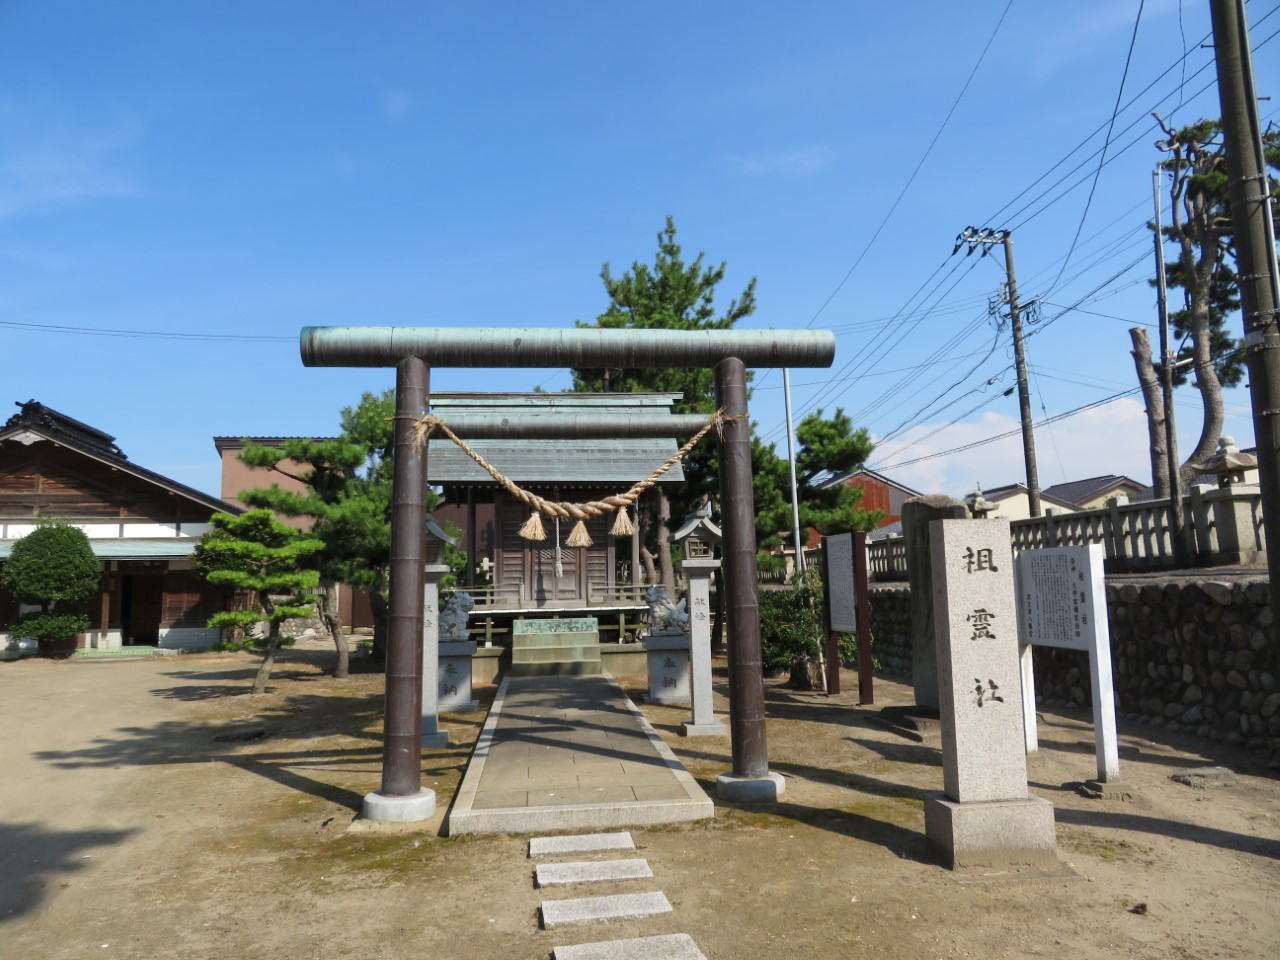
[{"x": 1222, "y": 526}]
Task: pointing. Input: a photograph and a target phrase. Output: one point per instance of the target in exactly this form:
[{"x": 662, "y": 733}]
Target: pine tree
[
  {"x": 1204, "y": 269},
  {"x": 257, "y": 554}
]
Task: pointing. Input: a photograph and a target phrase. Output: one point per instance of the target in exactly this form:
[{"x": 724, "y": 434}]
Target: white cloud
[
  {"x": 1109, "y": 439},
  {"x": 799, "y": 162},
  {"x": 53, "y": 167}
]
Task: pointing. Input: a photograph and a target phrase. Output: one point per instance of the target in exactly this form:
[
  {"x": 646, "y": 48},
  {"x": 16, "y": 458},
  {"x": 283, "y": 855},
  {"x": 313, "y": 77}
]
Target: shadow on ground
[{"x": 33, "y": 860}]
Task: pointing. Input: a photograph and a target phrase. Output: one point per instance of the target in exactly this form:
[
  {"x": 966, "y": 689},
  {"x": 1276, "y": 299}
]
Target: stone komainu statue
[
  {"x": 453, "y": 618},
  {"x": 666, "y": 616}
]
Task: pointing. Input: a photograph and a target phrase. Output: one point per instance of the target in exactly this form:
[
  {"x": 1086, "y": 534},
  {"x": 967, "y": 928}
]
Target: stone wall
[
  {"x": 1190, "y": 654},
  {"x": 891, "y": 628}
]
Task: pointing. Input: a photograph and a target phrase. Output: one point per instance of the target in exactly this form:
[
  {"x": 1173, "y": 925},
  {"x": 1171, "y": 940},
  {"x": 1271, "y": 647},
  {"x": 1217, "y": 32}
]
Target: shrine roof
[{"x": 577, "y": 462}]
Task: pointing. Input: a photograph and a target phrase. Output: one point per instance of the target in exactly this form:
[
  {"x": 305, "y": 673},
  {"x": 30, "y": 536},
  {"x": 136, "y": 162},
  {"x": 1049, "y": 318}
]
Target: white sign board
[
  {"x": 1062, "y": 602},
  {"x": 841, "y": 598}
]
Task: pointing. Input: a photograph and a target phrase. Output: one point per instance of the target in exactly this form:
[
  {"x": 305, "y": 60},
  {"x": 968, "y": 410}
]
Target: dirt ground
[{"x": 156, "y": 809}]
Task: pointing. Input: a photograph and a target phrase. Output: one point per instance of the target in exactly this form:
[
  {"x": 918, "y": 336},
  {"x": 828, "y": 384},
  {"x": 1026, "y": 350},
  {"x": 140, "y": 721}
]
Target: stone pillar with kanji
[
  {"x": 985, "y": 819},
  {"x": 433, "y": 738},
  {"x": 699, "y": 571}
]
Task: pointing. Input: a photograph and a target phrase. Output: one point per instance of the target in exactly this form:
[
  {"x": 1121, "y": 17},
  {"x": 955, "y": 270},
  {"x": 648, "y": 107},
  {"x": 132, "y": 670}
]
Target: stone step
[
  {"x": 550, "y": 652},
  {"x": 590, "y": 871},
  {"x": 670, "y": 946},
  {"x": 620, "y": 906},
  {"x": 580, "y": 843},
  {"x": 557, "y": 668},
  {"x": 523, "y": 641}
]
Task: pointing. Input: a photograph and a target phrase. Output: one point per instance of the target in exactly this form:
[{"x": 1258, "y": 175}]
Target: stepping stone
[
  {"x": 590, "y": 871},
  {"x": 1202, "y": 778},
  {"x": 622, "y": 906},
  {"x": 671, "y": 946},
  {"x": 581, "y": 843}
]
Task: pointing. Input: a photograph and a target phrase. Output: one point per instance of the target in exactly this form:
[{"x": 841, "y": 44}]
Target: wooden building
[
  {"x": 878, "y": 493},
  {"x": 531, "y": 577},
  {"x": 142, "y": 526}
]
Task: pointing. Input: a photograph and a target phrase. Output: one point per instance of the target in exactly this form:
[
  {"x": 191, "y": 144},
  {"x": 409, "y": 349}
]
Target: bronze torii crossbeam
[{"x": 413, "y": 351}]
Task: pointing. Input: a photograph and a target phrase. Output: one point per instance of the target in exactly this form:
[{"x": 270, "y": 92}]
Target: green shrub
[
  {"x": 55, "y": 632},
  {"x": 790, "y": 627},
  {"x": 53, "y": 567}
]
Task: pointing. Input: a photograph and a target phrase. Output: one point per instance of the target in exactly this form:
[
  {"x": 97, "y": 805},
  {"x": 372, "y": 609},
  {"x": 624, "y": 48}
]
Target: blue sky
[{"x": 240, "y": 171}]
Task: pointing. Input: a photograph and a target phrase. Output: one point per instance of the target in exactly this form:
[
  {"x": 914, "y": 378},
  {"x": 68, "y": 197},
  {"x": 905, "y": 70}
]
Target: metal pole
[
  {"x": 402, "y": 740},
  {"x": 1024, "y": 395},
  {"x": 746, "y": 677},
  {"x": 866, "y": 692},
  {"x": 833, "y": 638},
  {"x": 1166, "y": 384},
  {"x": 571, "y": 347},
  {"x": 791, "y": 463},
  {"x": 1256, "y": 259}
]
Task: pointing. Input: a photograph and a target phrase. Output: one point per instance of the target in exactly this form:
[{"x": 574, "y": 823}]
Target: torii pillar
[
  {"x": 411, "y": 350},
  {"x": 750, "y": 779}
]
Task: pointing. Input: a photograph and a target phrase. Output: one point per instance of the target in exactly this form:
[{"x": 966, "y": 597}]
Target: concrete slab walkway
[{"x": 560, "y": 753}]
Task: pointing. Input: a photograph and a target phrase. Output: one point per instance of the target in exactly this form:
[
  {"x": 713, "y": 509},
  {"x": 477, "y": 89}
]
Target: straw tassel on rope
[
  {"x": 532, "y": 528},
  {"x": 578, "y": 536},
  {"x": 622, "y": 526}
]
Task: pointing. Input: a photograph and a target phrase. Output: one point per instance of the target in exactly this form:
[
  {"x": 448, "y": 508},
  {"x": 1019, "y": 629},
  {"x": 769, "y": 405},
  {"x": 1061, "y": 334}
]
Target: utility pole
[
  {"x": 1166, "y": 384},
  {"x": 791, "y": 464},
  {"x": 1254, "y": 229},
  {"x": 986, "y": 238}
]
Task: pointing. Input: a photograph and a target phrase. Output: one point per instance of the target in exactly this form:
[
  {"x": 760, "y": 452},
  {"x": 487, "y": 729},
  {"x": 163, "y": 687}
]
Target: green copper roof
[
  {"x": 124, "y": 548},
  {"x": 614, "y": 462}
]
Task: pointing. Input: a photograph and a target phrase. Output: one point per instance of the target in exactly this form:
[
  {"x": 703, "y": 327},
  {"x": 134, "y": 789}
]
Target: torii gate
[{"x": 412, "y": 351}]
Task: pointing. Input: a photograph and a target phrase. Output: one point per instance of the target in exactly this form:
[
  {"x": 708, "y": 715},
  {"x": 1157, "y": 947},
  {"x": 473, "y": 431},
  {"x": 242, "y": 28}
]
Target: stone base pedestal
[
  {"x": 438, "y": 740},
  {"x": 714, "y": 729},
  {"x": 992, "y": 835},
  {"x": 455, "y": 676},
  {"x": 764, "y": 789},
  {"x": 1112, "y": 789},
  {"x": 381, "y": 808},
  {"x": 668, "y": 668}
]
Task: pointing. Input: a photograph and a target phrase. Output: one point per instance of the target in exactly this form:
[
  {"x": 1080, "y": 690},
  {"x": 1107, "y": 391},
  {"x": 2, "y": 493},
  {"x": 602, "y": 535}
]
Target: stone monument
[
  {"x": 667, "y": 646},
  {"x": 985, "y": 819},
  {"x": 918, "y": 514},
  {"x": 433, "y": 738},
  {"x": 456, "y": 650}
]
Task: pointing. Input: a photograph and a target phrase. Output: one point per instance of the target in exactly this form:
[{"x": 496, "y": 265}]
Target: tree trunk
[
  {"x": 718, "y": 631},
  {"x": 268, "y": 659},
  {"x": 1206, "y": 376},
  {"x": 1154, "y": 399},
  {"x": 378, "y": 607},
  {"x": 664, "y": 544},
  {"x": 327, "y": 608},
  {"x": 646, "y": 557}
]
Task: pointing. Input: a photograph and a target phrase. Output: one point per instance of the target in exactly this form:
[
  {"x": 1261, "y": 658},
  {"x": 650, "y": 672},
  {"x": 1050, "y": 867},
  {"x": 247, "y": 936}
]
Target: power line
[
  {"x": 145, "y": 334},
  {"x": 1010, "y": 433},
  {"x": 1106, "y": 142},
  {"x": 911, "y": 179}
]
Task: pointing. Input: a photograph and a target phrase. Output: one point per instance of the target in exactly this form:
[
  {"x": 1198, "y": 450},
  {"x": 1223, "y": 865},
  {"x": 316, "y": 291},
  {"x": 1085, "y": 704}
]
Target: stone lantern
[
  {"x": 697, "y": 536},
  {"x": 1229, "y": 463},
  {"x": 436, "y": 541},
  {"x": 1234, "y": 505},
  {"x": 979, "y": 506}
]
